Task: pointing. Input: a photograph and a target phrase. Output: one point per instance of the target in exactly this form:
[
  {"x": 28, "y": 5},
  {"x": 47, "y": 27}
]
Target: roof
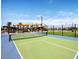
[{"x": 30, "y": 25}]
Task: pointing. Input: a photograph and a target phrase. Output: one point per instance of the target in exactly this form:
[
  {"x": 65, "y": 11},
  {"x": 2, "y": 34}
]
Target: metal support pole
[
  {"x": 62, "y": 30},
  {"x": 53, "y": 29},
  {"x": 47, "y": 31},
  {"x": 41, "y": 23},
  {"x": 72, "y": 27},
  {"x": 9, "y": 37},
  {"x": 74, "y": 30}
]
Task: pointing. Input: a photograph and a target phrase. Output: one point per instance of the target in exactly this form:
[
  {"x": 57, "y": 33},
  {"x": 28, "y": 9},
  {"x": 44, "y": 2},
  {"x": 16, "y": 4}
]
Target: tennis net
[{"x": 28, "y": 35}]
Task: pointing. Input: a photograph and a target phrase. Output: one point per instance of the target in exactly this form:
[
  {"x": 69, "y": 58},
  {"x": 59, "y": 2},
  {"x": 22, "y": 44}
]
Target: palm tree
[
  {"x": 14, "y": 28},
  {"x": 9, "y": 26},
  {"x": 20, "y": 25}
]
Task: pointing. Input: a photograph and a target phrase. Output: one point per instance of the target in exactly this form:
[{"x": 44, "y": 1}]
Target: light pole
[
  {"x": 41, "y": 20},
  {"x": 42, "y": 23}
]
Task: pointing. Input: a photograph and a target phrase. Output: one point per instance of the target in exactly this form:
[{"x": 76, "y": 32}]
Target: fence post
[
  {"x": 53, "y": 29},
  {"x": 62, "y": 30},
  {"x": 72, "y": 27},
  {"x": 74, "y": 30}
]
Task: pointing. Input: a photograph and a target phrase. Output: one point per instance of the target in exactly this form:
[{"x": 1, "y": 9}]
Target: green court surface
[
  {"x": 65, "y": 33},
  {"x": 47, "y": 48}
]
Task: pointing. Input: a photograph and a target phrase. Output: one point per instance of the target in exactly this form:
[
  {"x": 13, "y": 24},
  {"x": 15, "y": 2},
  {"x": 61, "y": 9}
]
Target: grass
[
  {"x": 65, "y": 33},
  {"x": 47, "y": 48}
]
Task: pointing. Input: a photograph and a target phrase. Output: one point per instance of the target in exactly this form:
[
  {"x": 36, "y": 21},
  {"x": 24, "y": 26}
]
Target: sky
[{"x": 54, "y": 12}]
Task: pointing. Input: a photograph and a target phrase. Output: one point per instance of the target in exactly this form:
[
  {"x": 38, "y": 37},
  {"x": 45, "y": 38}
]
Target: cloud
[
  {"x": 62, "y": 17},
  {"x": 49, "y": 21},
  {"x": 38, "y": 16},
  {"x": 19, "y": 15},
  {"x": 65, "y": 14},
  {"x": 61, "y": 21},
  {"x": 24, "y": 21},
  {"x": 44, "y": 16}
]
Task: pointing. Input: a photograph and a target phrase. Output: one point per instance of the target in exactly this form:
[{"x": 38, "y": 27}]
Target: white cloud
[
  {"x": 44, "y": 16},
  {"x": 17, "y": 15},
  {"x": 50, "y": 21},
  {"x": 61, "y": 21},
  {"x": 65, "y": 14},
  {"x": 38, "y": 16},
  {"x": 25, "y": 21},
  {"x": 64, "y": 19}
]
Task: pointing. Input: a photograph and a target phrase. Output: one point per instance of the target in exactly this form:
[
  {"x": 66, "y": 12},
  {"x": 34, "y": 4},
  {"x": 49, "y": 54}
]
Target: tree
[
  {"x": 20, "y": 25},
  {"x": 14, "y": 28},
  {"x": 9, "y": 26}
]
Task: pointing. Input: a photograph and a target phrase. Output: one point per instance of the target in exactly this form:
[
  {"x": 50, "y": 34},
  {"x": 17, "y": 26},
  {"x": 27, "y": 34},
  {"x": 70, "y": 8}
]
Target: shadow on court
[{"x": 8, "y": 49}]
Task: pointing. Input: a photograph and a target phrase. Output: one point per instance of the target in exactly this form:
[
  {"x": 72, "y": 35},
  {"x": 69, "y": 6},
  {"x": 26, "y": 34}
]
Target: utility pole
[{"x": 42, "y": 23}]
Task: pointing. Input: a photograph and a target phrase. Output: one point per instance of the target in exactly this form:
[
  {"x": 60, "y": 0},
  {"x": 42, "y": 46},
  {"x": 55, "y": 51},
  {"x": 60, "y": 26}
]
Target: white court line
[
  {"x": 54, "y": 44},
  {"x": 18, "y": 50},
  {"x": 76, "y": 55}
]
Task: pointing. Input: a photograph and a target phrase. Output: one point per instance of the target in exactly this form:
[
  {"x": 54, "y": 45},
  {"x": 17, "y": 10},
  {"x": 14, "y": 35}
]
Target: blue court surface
[
  {"x": 64, "y": 37},
  {"x": 9, "y": 51}
]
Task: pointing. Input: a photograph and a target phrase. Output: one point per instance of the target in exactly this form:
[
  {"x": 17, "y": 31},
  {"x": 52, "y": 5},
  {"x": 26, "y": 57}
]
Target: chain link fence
[{"x": 64, "y": 30}]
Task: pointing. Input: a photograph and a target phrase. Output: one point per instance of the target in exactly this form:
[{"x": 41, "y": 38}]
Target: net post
[
  {"x": 46, "y": 32},
  {"x": 9, "y": 37}
]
